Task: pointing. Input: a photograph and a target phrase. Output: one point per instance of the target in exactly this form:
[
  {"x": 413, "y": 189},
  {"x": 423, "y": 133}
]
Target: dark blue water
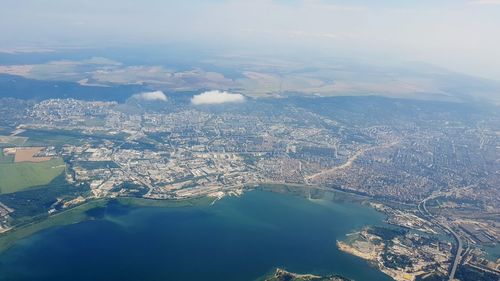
[{"x": 235, "y": 239}]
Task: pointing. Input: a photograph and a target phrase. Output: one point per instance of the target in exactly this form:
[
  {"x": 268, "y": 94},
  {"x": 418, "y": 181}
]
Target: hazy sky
[{"x": 462, "y": 35}]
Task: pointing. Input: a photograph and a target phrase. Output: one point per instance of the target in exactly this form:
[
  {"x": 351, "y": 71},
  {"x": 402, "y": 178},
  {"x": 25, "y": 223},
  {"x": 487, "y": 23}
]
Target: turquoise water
[{"x": 235, "y": 239}]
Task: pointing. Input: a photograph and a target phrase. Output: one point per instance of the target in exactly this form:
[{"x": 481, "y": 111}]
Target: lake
[{"x": 237, "y": 238}]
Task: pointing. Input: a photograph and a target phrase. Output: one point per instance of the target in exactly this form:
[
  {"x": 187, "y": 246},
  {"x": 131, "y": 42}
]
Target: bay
[{"x": 237, "y": 238}]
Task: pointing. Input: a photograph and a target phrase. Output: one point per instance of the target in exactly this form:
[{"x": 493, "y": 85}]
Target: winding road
[{"x": 458, "y": 254}]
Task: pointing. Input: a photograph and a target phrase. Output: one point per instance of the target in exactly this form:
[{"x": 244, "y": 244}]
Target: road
[
  {"x": 127, "y": 171},
  {"x": 458, "y": 254},
  {"x": 349, "y": 161}
]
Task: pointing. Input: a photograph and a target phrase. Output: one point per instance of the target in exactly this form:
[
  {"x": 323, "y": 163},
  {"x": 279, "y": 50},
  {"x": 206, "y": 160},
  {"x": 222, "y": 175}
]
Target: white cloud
[
  {"x": 151, "y": 96},
  {"x": 217, "y": 97}
]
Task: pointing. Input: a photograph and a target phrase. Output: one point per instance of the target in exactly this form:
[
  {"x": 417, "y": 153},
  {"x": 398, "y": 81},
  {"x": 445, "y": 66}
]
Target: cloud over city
[
  {"x": 217, "y": 97},
  {"x": 151, "y": 96}
]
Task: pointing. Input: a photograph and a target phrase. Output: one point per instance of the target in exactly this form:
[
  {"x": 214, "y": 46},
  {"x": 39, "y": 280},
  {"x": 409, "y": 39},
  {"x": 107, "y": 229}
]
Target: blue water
[{"x": 235, "y": 239}]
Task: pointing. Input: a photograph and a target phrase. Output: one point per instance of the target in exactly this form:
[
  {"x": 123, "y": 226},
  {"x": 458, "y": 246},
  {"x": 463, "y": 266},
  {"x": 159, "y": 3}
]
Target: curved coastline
[
  {"x": 83, "y": 212},
  {"x": 78, "y": 214}
]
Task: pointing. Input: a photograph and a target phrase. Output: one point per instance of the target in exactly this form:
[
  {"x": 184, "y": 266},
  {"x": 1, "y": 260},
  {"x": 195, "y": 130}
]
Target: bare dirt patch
[{"x": 28, "y": 154}]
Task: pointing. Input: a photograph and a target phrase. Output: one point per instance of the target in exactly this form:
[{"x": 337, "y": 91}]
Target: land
[
  {"x": 431, "y": 167},
  {"x": 28, "y": 154},
  {"x": 400, "y": 254},
  {"x": 18, "y": 176},
  {"x": 283, "y": 275},
  {"x": 6, "y": 158},
  {"x": 101, "y": 77},
  {"x": 11, "y": 140}
]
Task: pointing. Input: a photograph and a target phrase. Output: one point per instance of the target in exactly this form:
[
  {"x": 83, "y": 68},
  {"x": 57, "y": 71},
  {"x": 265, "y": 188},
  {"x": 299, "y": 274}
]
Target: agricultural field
[
  {"x": 5, "y": 158},
  {"x": 6, "y": 141},
  {"x": 20, "y": 176},
  {"x": 28, "y": 154},
  {"x": 51, "y": 138}
]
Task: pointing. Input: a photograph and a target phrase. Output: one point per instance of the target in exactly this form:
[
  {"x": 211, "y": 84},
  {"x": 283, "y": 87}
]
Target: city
[{"x": 415, "y": 173}]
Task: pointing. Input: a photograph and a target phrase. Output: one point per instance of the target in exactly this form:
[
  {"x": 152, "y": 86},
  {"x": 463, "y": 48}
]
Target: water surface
[{"x": 235, "y": 239}]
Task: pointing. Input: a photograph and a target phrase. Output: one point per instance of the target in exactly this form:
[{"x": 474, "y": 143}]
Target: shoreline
[
  {"x": 78, "y": 214},
  {"x": 373, "y": 257},
  {"x": 65, "y": 217},
  {"x": 281, "y": 274}
]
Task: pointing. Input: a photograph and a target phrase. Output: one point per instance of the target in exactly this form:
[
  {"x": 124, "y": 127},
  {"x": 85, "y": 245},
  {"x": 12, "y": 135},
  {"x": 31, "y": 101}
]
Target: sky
[{"x": 462, "y": 35}]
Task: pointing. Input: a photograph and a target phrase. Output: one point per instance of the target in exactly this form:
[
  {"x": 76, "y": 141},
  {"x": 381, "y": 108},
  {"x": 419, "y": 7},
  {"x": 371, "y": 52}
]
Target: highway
[{"x": 458, "y": 254}]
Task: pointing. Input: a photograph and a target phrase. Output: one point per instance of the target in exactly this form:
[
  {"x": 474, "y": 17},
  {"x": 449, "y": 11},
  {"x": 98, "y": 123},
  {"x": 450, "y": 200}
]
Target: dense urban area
[{"x": 434, "y": 170}]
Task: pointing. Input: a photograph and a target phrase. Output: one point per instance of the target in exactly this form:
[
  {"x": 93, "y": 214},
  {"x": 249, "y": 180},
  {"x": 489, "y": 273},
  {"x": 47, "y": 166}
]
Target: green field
[
  {"x": 19, "y": 176},
  {"x": 5, "y": 158},
  {"x": 61, "y": 137}
]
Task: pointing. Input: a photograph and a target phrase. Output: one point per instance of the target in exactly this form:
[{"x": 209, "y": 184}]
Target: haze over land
[
  {"x": 461, "y": 35},
  {"x": 444, "y": 50}
]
